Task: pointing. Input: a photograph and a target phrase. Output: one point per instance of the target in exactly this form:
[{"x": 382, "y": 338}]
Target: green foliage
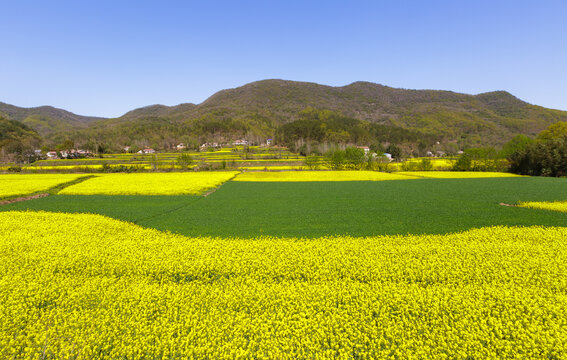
[
  {"x": 312, "y": 162},
  {"x": 542, "y": 158},
  {"x": 185, "y": 161},
  {"x": 15, "y": 169},
  {"x": 106, "y": 168},
  {"x": 395, "y": 151},
  {"x": 479, "y": 159},
  {"x": 336, "y": 159},
  {"x": 555, "y": 131},
  {"x": 547, "y": 156},
  {"x": 351, "y": 158},
  {"x": 17, "y": 142},
  {"x": 517, "y": 144},
  {"x": 354, "y": 158}
]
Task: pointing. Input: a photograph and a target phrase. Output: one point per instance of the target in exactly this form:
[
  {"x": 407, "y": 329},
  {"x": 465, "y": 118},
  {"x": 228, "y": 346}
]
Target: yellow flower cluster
[
  {"x": 436, "y": 163},
  {"x": 457, "y": 174},
  {"x": 88, "y": 287},
  {"x": 545, "y": 205},
  {"x": 320, "y": 176},
  {"x": 19, "y": 184},
  {"x": 150, "y": 183}
]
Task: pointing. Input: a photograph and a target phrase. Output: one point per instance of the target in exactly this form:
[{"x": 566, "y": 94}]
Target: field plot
[
  {"x": 150, "y": 184},
  {"x": 300, "y": 176},
  {"x": 16, "y": 184},
  {"x": 86, "y": 286},
  {"x": 314, "y": 209},
  {"x": 545, "y": 205},
  {"x": 457, "y": 174}
]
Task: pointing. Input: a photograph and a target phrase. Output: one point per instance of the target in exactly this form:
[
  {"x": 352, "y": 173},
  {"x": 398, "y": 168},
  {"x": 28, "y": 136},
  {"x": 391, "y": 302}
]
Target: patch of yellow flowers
[
  {"x": 457, "y": 174},
  {"x": 320, "y": 176},
  {"x": 150, "y": 183},
  {"x": 88, "y": 287},
  {"x": 545, "y": 205},
  {"x": 20, "y": 184}
]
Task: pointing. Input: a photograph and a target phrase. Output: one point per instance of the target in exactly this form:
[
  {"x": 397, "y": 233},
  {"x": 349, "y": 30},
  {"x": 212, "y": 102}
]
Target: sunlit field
[
  {"x": 86, "y": 286},
  {"x": 150, "y": 183},
  {"x": 457, "y": 174},
  {"x": 299, "y": 176},
  {"x": 545, "y": 205},
  {"x": 16, "y": 184}
]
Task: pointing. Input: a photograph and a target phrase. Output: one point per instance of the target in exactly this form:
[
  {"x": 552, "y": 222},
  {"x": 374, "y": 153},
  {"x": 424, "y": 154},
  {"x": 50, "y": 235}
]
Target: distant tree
[
  {"x": 554, "y": 131},
  {"x": 335, "y": 159},
  {"x": 354, "y": 158},
  {"x": 395, "y": 151},
  {"x": 312, "y": 161},
  {"x": 541, "y": 158},
  {"x": 516, "y": 144},
  {"x": 479, "y": 159},
  {"x": 185, "y": 160}
]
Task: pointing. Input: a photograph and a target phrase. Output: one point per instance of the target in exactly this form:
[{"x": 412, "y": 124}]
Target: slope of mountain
[
  {"x": 16, "y": 138},
  {"x": 257, "y": 110},
  {"x": 46, "y": 119}
]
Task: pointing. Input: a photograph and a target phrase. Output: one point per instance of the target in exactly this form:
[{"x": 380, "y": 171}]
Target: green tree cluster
[
  {"x": 546, "y": 156},
  {"x": 480, "y": 159}
]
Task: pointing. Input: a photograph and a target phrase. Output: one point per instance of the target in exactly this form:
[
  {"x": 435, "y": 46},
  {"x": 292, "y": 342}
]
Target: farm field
[
  {"x": 193, "y": 183},
  {"x": 85, "y": 286},
  {"x": 13, "y": 184},
  {"x": 225, "y": 158},
  {"x": 277, "y": 265},
  {"x": 302, "y": 176},
  {"x": 313, "y": 209}
]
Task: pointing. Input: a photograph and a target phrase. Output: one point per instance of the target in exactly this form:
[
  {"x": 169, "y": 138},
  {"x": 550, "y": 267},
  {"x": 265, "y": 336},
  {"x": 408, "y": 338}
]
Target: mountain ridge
[{"x": 258, "y": 109}]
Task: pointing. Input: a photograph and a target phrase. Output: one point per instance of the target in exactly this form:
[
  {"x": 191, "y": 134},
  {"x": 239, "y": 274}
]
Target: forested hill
[
  {"x": 46, "y": 119},
  {"x": 361, "y": 112}
]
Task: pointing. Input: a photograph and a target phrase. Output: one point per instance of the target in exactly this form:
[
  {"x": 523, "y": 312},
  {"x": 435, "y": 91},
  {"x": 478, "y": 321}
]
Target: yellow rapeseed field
[
  {"x": 150, "y": 183},
  {"x": 320, "y": 176},
  {"x": 436, "y": 163},
  {"x": 456, "y": 174},
  {"x": 88, "y": 287},
  {"x": 545, "y": 205},
  {"x": 22, "y": 184}
]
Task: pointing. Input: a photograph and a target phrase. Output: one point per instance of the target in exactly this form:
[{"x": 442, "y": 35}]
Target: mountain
[
  {"x": 46, "y": 119},
  {"x": 361, "y": 112},
  {"x": 17, "y": 140}
]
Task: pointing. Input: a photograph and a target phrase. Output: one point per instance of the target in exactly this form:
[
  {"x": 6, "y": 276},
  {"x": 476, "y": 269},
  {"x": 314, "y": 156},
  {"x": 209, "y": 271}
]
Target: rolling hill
[
  {"x": 46, "y": 120},
  {"x": 258, "y": 110}
]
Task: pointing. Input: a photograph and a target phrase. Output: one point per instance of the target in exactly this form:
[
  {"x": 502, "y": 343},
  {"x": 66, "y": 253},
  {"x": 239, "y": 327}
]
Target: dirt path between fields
[{"x": 23, "y": 198}]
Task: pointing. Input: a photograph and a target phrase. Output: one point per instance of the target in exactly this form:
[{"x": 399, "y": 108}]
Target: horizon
[{"x": 105, "y": 59}]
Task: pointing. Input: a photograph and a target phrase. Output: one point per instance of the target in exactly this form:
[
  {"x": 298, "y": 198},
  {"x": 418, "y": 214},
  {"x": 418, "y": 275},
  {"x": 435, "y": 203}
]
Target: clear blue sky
[{"x": 108, "y": 57}]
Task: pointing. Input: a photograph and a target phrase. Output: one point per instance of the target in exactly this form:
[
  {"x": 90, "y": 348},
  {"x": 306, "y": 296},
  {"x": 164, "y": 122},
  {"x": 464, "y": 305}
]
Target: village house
[
  {"x": 147, "y": 151},
  {"x": 240, "y": 142},
  {"x": 181, "y": 146},
  {"x": 365, "y": 148},
  {"x": 209, "y": 145}
]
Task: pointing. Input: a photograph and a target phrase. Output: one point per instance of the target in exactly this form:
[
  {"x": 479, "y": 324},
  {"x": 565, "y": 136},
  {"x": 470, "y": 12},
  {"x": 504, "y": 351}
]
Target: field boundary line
[
  {"x": 199, "y": 198},
  {"x": 135, "y": 221},
  {"x": 56, "y": 189},
  {"x": 220, "y": 185},
  {"x": 51, "y": 191},
  {"x": 23, "y": 198}
]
